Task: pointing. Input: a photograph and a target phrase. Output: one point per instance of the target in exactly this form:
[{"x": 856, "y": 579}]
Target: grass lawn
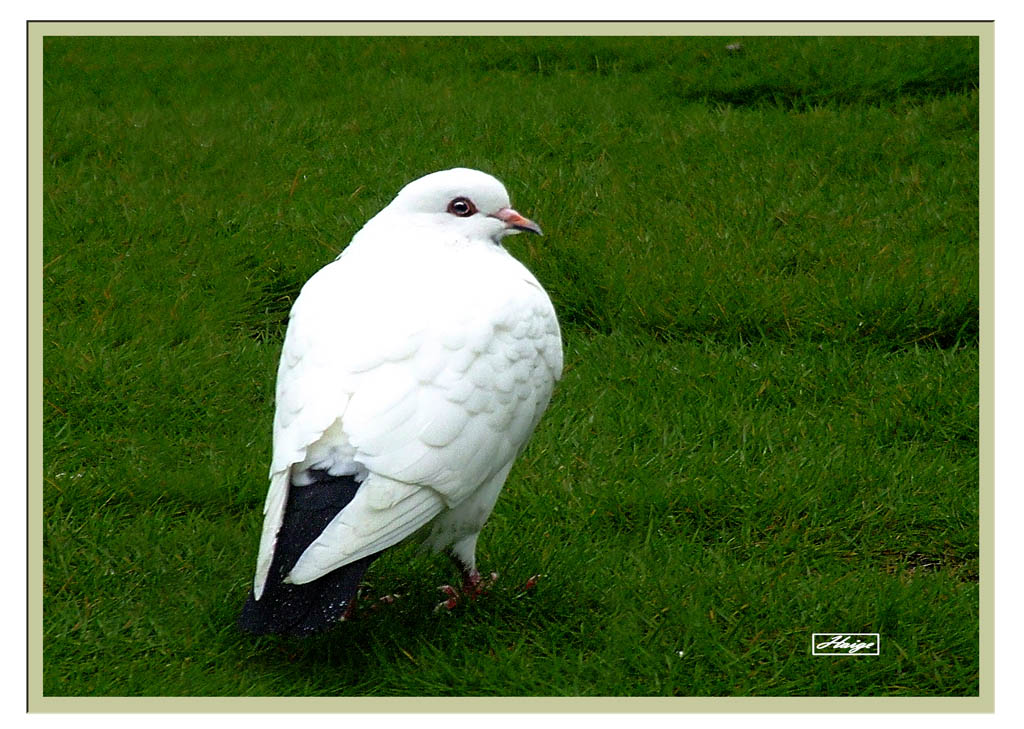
[{"x": 765, "y": 262}]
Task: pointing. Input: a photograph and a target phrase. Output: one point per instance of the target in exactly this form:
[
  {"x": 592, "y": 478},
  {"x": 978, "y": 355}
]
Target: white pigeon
[{"x": 415, "y": 368}]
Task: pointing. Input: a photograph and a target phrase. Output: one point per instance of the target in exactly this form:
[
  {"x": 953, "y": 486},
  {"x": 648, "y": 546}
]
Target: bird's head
[{"x": 468, "y": 203}]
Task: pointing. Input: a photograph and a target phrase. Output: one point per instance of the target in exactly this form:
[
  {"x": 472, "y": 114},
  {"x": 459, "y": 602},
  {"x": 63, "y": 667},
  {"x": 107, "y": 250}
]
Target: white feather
[{"x": 421, "y": 360}]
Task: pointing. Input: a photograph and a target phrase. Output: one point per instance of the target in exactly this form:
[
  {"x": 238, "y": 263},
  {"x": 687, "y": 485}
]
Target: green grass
[{"x": 765, "y": 262}]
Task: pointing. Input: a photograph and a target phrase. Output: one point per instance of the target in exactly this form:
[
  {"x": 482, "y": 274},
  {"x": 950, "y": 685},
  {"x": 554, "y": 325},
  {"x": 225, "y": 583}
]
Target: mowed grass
[{"x": 765, "y": 262}]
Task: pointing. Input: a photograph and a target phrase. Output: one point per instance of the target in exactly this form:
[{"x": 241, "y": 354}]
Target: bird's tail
[{"x": 308, "y": 608}]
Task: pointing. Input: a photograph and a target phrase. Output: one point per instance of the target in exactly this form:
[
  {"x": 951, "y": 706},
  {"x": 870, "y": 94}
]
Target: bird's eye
[{"x": 461, "y": 206}]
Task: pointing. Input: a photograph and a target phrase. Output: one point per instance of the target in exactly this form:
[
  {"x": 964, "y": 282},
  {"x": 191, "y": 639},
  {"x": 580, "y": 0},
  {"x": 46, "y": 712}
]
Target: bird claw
[
  {"x": 528, "y": 585},
  {"x": 385, "y": 600},
  {"x": 474, "y": 584},
  {"x": 472, "y": 587},
  {"x": 450, "y": 604}
]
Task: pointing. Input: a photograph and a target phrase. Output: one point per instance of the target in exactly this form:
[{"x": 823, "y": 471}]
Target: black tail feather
[{"x": 317, "y": 605}]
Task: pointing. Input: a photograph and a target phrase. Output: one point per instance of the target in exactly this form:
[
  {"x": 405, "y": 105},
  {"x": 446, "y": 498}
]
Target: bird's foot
[
  {"x": 451, "y": 601},
  {"x": 385, "y": 600},
  {"x": 473, "y": 585},
  {"x": 369, "y": 602}
]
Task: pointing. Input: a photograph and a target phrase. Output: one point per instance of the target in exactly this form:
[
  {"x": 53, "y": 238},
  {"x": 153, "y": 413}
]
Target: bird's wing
[
  {"x": 431, "y": 397},
  {"x": 383, "y": 513}
]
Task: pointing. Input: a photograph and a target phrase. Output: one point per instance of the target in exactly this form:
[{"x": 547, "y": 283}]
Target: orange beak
[{"x": 514, "y": 220}]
